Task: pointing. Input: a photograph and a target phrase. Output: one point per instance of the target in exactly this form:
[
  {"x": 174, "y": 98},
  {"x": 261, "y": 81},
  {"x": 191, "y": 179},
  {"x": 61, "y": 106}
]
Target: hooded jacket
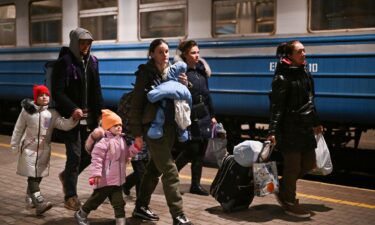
[
  {"x": 109, "y": 158},
  {"x": 293, "y": 113},
  {"x": 69, "y": 80},
  {"x": 31, "y": 137}
]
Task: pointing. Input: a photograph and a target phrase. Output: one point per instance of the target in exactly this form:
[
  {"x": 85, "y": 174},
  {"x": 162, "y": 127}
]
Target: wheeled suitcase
[{"x": 233, "y": 185}]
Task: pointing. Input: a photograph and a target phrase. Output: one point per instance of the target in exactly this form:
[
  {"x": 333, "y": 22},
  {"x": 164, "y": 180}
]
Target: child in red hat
[{"x": 31, "y": 139}]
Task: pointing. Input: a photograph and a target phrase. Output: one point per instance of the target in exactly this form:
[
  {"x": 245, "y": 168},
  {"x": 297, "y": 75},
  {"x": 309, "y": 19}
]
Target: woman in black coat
[
  {"x": 202, "y": 114},
  {"x": 294, "y": 122}
]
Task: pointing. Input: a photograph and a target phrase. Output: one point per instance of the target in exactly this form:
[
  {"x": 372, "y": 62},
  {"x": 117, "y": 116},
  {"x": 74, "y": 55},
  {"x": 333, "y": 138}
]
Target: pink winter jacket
[{"x": 109, "y": 158}]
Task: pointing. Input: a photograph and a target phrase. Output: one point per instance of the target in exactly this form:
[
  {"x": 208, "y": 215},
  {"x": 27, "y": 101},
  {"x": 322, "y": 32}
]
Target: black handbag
[
  {"x": 199, "y": 111},
  {"x": 201, "y": 128},
  {"x": 205, "y": 127}
]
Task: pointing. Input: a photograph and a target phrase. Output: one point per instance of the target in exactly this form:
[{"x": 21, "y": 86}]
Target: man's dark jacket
[
  {"x": 293, "y": 113},
  {"x": 68, "y": 86}
]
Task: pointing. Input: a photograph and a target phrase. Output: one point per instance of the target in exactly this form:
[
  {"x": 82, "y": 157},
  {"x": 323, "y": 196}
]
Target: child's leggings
[
  {"x": 33, "y": 184},
  {"x": 113, "y": 193}
]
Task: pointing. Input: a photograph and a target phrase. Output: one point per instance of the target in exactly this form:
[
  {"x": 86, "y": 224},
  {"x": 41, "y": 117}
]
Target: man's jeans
[{"x": 77, "y": 159}]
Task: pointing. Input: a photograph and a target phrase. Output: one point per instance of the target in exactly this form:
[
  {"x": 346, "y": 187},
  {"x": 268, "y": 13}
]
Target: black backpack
[{"x": 123, "y": 110}]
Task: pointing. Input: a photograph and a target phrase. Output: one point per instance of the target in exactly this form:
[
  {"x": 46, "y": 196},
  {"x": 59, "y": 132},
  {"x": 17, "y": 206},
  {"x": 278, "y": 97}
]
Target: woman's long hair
[
  {"x": 185, "y": 47},
  {"x": 154, "y": 44}
]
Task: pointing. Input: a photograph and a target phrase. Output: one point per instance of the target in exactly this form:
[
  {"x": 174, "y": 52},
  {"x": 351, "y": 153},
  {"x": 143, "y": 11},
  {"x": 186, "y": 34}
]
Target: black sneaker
[
  {"x": 145, "y": 213},
  {"x": 181, "y": 219},
  {"x": 198, "y": 190}
]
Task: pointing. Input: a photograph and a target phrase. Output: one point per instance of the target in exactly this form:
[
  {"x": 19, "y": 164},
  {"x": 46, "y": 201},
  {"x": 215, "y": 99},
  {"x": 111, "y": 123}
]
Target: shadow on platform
[{"x": 266, "y": 212}]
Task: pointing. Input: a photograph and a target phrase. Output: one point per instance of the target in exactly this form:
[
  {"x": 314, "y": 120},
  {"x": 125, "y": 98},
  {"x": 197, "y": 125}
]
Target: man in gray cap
[{"x": 77, "y": 92}]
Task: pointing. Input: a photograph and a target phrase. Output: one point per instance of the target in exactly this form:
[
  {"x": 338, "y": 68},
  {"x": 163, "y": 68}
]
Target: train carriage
[{"x": 237, "y": 37}]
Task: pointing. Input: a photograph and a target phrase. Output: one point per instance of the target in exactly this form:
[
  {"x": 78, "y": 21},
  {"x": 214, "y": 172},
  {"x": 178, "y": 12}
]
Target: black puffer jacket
[
  {"x": 198, "y": 87},
  {"x": 293, "y": 113}
]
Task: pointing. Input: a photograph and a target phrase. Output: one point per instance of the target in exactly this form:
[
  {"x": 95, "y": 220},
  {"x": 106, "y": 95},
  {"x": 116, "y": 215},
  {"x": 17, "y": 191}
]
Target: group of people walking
[{"x": 77, "y": 95}]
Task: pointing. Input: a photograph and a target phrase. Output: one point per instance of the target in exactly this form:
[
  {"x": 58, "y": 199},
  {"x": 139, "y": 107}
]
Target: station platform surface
[{"x": 329, "y": 204}]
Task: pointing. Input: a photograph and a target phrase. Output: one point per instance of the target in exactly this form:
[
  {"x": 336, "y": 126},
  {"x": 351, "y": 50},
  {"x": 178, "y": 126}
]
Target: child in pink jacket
[{"x": 108, "y": 166}]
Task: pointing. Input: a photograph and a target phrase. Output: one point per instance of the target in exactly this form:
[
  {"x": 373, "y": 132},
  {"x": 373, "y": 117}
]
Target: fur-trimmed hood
[
  {"x": 207, "y": 68},
  {"x": 30, "y": 107}
]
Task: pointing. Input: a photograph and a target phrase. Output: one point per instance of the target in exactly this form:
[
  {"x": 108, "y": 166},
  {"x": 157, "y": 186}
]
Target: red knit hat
[{"x": 38, "y": 90}]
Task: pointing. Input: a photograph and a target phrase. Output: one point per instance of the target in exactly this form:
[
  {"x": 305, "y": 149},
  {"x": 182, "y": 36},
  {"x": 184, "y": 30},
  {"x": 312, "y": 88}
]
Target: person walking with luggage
[
  {"x": 31, "y": 139},
  {"x": 142, "y": 113},
  {"x": 76, "y": 91},
  {"x": 108, "y": 167},
  {"x": 202, "y": 114},
  {"x": 293, "y": 122}
]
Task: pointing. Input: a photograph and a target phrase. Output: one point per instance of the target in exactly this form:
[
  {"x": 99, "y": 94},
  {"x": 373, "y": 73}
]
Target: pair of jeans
[
  {"x": 77, "y": 158},
  {"x": 162, "y": 164},
  {"x": 113, "y": 193},
  {"x": 193, "y": 151},
  {"x": 296, "y": 165}
]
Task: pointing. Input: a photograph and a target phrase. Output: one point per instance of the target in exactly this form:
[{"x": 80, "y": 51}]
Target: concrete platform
[{"x": 330, "y": 204}]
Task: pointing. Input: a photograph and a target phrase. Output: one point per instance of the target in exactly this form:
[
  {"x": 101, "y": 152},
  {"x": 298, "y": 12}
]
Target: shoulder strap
[{"x": 94, "y": 64}]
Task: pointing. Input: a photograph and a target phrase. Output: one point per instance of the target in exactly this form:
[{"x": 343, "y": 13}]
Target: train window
[
  {"x": 241, "y": 17},
  {"x": 7, "y": 25},
  {"x": 154, "y": 1},
  {"x": 162, "y": 18},
  {"x": 99, "y": 17},
  {"x": 341, "y": 14},
  {"x": 45, "y": 21}
]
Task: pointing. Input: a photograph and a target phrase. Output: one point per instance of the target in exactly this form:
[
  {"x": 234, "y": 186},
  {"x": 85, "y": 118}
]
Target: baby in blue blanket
[{"x": 170, "y": 89}]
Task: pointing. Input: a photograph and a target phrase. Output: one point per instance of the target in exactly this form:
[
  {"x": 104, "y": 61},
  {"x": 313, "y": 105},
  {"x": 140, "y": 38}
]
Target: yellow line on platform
[
  {"x": 5, "y": 145},
  {"x": 324, "y": 199},
  {"x": 208, "y": 180},
  {"x": 59, "y": 155}
]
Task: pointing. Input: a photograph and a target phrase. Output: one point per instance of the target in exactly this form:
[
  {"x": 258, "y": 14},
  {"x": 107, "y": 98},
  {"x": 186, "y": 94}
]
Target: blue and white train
[{"x": 238, "y": 38}]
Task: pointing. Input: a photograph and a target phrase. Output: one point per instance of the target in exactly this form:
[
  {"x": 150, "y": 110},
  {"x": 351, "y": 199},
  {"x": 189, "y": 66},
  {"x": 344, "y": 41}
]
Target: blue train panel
[{"x": 344, "y": 84}]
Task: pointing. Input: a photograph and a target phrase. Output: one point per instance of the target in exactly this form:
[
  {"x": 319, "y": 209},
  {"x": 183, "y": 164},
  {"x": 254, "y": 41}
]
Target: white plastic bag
[
  {"x": 265, "y": 178},
  {"x": 323, "y": 158},
  {"x": 216, "y": 151},
  {"x": 247, "y": 152}
]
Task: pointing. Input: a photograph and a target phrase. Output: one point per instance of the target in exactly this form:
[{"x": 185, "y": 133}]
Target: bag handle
[{"x": 266, "y": 152}]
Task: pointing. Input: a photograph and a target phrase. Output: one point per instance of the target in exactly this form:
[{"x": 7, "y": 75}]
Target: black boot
[{"x": 196, "y": 173}]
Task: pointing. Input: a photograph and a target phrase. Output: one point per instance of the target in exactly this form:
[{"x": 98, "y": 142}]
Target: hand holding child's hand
[
  {"x": 77, "y": 114},
  {"x": 138, "y": 142},
  {"x": 94, "y": 180}
]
